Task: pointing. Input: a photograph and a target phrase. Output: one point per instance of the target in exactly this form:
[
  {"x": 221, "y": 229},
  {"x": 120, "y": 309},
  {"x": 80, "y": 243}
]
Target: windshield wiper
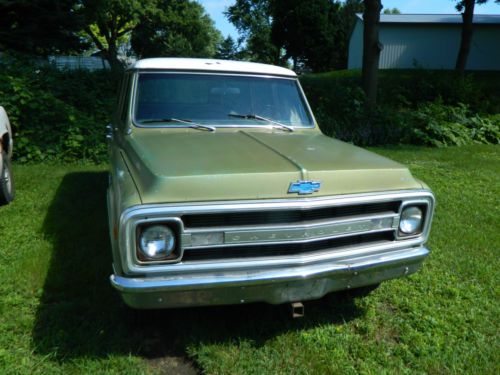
[
  {"x": 276, "y": 124},
  {"x": 188, "y": 122}
]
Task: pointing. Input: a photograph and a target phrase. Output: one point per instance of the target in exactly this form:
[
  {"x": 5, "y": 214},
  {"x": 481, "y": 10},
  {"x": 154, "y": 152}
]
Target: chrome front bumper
[{"x": 276, "y": 285}]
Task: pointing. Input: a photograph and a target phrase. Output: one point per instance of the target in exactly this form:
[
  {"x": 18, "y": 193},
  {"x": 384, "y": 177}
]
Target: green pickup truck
[{"x": 223, "y": 190}]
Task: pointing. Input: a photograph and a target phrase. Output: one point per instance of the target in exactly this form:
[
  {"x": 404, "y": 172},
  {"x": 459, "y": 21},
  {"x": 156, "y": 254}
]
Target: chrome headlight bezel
[{"x": 420, "y": 228}]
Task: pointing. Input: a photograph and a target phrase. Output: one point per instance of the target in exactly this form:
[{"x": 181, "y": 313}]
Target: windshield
[{"x": 219, "y": 100}]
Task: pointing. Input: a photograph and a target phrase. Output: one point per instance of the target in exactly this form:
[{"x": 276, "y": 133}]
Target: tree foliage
[
  {"x": 40, "y": 27},
  {"x": 109, "y": 21},
  {"x": 228, "y": 49},
  {"x": 314, "y": 34},
  {"x": 392, "y": 11},
  {"x": 156, "y": 27},
  {"x": 308, "y": 32},
  {"x": 253, "y": 20},
  {"x": 176, "y": 28}
]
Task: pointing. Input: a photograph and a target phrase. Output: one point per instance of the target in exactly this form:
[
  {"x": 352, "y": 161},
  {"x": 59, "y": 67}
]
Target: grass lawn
[{"x": 58, "y": 313}]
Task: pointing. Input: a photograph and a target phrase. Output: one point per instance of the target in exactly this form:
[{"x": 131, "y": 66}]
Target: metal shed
[{"x": 429, "y": 41}]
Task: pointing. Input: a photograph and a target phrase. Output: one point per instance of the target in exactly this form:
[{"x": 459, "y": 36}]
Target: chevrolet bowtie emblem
[{"x": 304, "y": 187}]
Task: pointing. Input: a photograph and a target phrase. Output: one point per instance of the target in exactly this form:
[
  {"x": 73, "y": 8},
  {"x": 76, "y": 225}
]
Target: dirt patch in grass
[{"x": 172, "y": 366}]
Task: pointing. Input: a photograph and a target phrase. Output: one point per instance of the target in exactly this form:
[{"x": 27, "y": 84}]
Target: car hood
[{"x": 194, "y": 165}]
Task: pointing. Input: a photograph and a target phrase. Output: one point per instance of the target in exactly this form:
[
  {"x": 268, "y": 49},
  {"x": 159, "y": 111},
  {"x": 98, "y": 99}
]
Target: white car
[{"x": 6, "y": 143}]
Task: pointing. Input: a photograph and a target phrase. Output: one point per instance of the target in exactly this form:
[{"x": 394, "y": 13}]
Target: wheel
[{"x": 6, "y": 184}]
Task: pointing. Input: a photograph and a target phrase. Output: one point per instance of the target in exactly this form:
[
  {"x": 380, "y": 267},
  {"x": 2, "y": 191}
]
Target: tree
[
  {"x": 253, "y": 20},
  {"x": 467, "y": 9},
  {"x": 371, "y": 51},
  {"x": 228, "y": 49},
  {"x": 176, "y": 28},
  {"x": 347, "y": 21},
  {"x": 392, "y": 11},
  {"x": 307, "y": 31},
  {"x": 40, "y": 27},
  {"x": 106, "y": 22}
]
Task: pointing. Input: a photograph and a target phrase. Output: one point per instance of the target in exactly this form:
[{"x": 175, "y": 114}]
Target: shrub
[
  {"x": 437, "y": 124},
  {"x": 415, "y": 106},
  {"x": 56, "y": 115}
]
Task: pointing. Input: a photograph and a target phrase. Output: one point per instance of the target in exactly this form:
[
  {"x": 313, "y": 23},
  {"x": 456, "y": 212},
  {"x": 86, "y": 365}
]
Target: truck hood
[{"x": 193, "y": 165}]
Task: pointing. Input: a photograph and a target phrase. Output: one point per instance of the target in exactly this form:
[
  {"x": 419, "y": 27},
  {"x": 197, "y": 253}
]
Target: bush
[
  {"x": 61, "y": 115},
  {"x": 56, "y": 115},
  {"x": 415, "y": 106},
  {"x": 338, "y": 104},
  {"x": 437, "y": 124}
]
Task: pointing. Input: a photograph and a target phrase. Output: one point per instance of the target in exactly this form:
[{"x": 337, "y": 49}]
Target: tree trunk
[
  {"x": 110, "y": 53},
  {"x": 463, "y": 53},
  {"x": 371, "y": 51},
  {"x": 112, "y": 56}
]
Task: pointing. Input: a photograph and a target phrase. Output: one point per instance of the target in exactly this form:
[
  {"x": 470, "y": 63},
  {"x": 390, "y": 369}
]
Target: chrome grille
[
  {"x": 275, "y": 233},
  {"x": 260, "y": 251},
  {"x": 257, "y": 233},
  {"x": 285, "y": 216}
]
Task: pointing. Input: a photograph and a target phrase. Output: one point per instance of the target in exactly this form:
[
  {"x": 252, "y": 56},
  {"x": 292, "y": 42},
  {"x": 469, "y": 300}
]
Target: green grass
[{"x": 58, "y": 313}]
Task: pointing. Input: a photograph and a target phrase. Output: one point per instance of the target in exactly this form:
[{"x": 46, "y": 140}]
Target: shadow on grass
[{"x": 80, "y": 315}]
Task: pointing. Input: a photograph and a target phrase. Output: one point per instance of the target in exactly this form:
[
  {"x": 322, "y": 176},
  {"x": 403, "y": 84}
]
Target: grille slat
[
  {"x": 284, "y": 216},
  {"x": 260, "y": 251}
]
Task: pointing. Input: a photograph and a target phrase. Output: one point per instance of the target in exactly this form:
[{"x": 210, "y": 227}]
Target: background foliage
[
  {"x": 114, "y": 29},
  {"x": 313, "y": 34},
  {"x": 176, "y": 28},
  {"x": 40, "y": 26},
  {"x": 308, "y": 32},
  {"x": 61, "y": 115},
  {"x": 56, "y": 114},
  {"x": 435, "y": 108}
]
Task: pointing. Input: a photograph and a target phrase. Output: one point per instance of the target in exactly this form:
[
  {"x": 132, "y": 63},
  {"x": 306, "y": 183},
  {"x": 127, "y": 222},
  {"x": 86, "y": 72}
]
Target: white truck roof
[{"x": 210, "y": 65}]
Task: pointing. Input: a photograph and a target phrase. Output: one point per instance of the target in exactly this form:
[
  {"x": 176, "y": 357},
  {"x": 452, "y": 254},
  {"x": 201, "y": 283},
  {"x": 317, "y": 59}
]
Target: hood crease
[{"x": 303, "y": 170}]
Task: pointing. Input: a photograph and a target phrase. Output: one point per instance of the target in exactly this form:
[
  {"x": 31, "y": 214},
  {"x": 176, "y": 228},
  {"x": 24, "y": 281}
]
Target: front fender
[{"x": 122, "y": 193}]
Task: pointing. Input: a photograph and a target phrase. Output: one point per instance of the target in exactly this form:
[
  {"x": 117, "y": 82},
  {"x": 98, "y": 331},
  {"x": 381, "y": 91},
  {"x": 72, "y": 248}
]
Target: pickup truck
[{"x": 223, "y": 190}]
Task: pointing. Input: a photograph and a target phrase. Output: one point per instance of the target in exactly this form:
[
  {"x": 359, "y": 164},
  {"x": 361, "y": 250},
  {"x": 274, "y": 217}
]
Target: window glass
[
  {"x": 216, "y": 99},
  {"x": 126, "y": 97}
]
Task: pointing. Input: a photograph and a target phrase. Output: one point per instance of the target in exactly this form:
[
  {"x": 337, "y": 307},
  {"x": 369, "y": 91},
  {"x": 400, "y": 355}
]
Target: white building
[{"x": 429, "y": 41}]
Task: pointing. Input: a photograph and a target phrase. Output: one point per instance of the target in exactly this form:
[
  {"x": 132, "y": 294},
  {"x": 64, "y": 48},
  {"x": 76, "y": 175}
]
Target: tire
[{"x": 7, "y": 191}]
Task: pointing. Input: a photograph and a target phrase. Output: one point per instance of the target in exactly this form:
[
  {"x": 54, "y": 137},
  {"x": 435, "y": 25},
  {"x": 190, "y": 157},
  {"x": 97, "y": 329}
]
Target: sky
[{"x": 215, "y": 9}]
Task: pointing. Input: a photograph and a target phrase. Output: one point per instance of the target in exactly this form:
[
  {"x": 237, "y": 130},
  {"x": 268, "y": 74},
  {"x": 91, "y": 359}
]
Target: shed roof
[
  {"x": 210, "y": 65},
  {"x": 485, "y": 19}
]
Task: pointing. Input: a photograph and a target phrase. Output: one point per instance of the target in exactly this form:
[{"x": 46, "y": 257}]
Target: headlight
[
  {"x": 411, "y": 220},
  {"x": 156, "y": 242}
]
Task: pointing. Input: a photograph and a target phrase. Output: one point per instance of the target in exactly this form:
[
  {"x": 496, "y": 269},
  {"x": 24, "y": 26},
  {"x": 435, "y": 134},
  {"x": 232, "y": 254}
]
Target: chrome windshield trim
[
  {"x": 133, "y": 100},
  {"x": 212, "y": 73}
]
